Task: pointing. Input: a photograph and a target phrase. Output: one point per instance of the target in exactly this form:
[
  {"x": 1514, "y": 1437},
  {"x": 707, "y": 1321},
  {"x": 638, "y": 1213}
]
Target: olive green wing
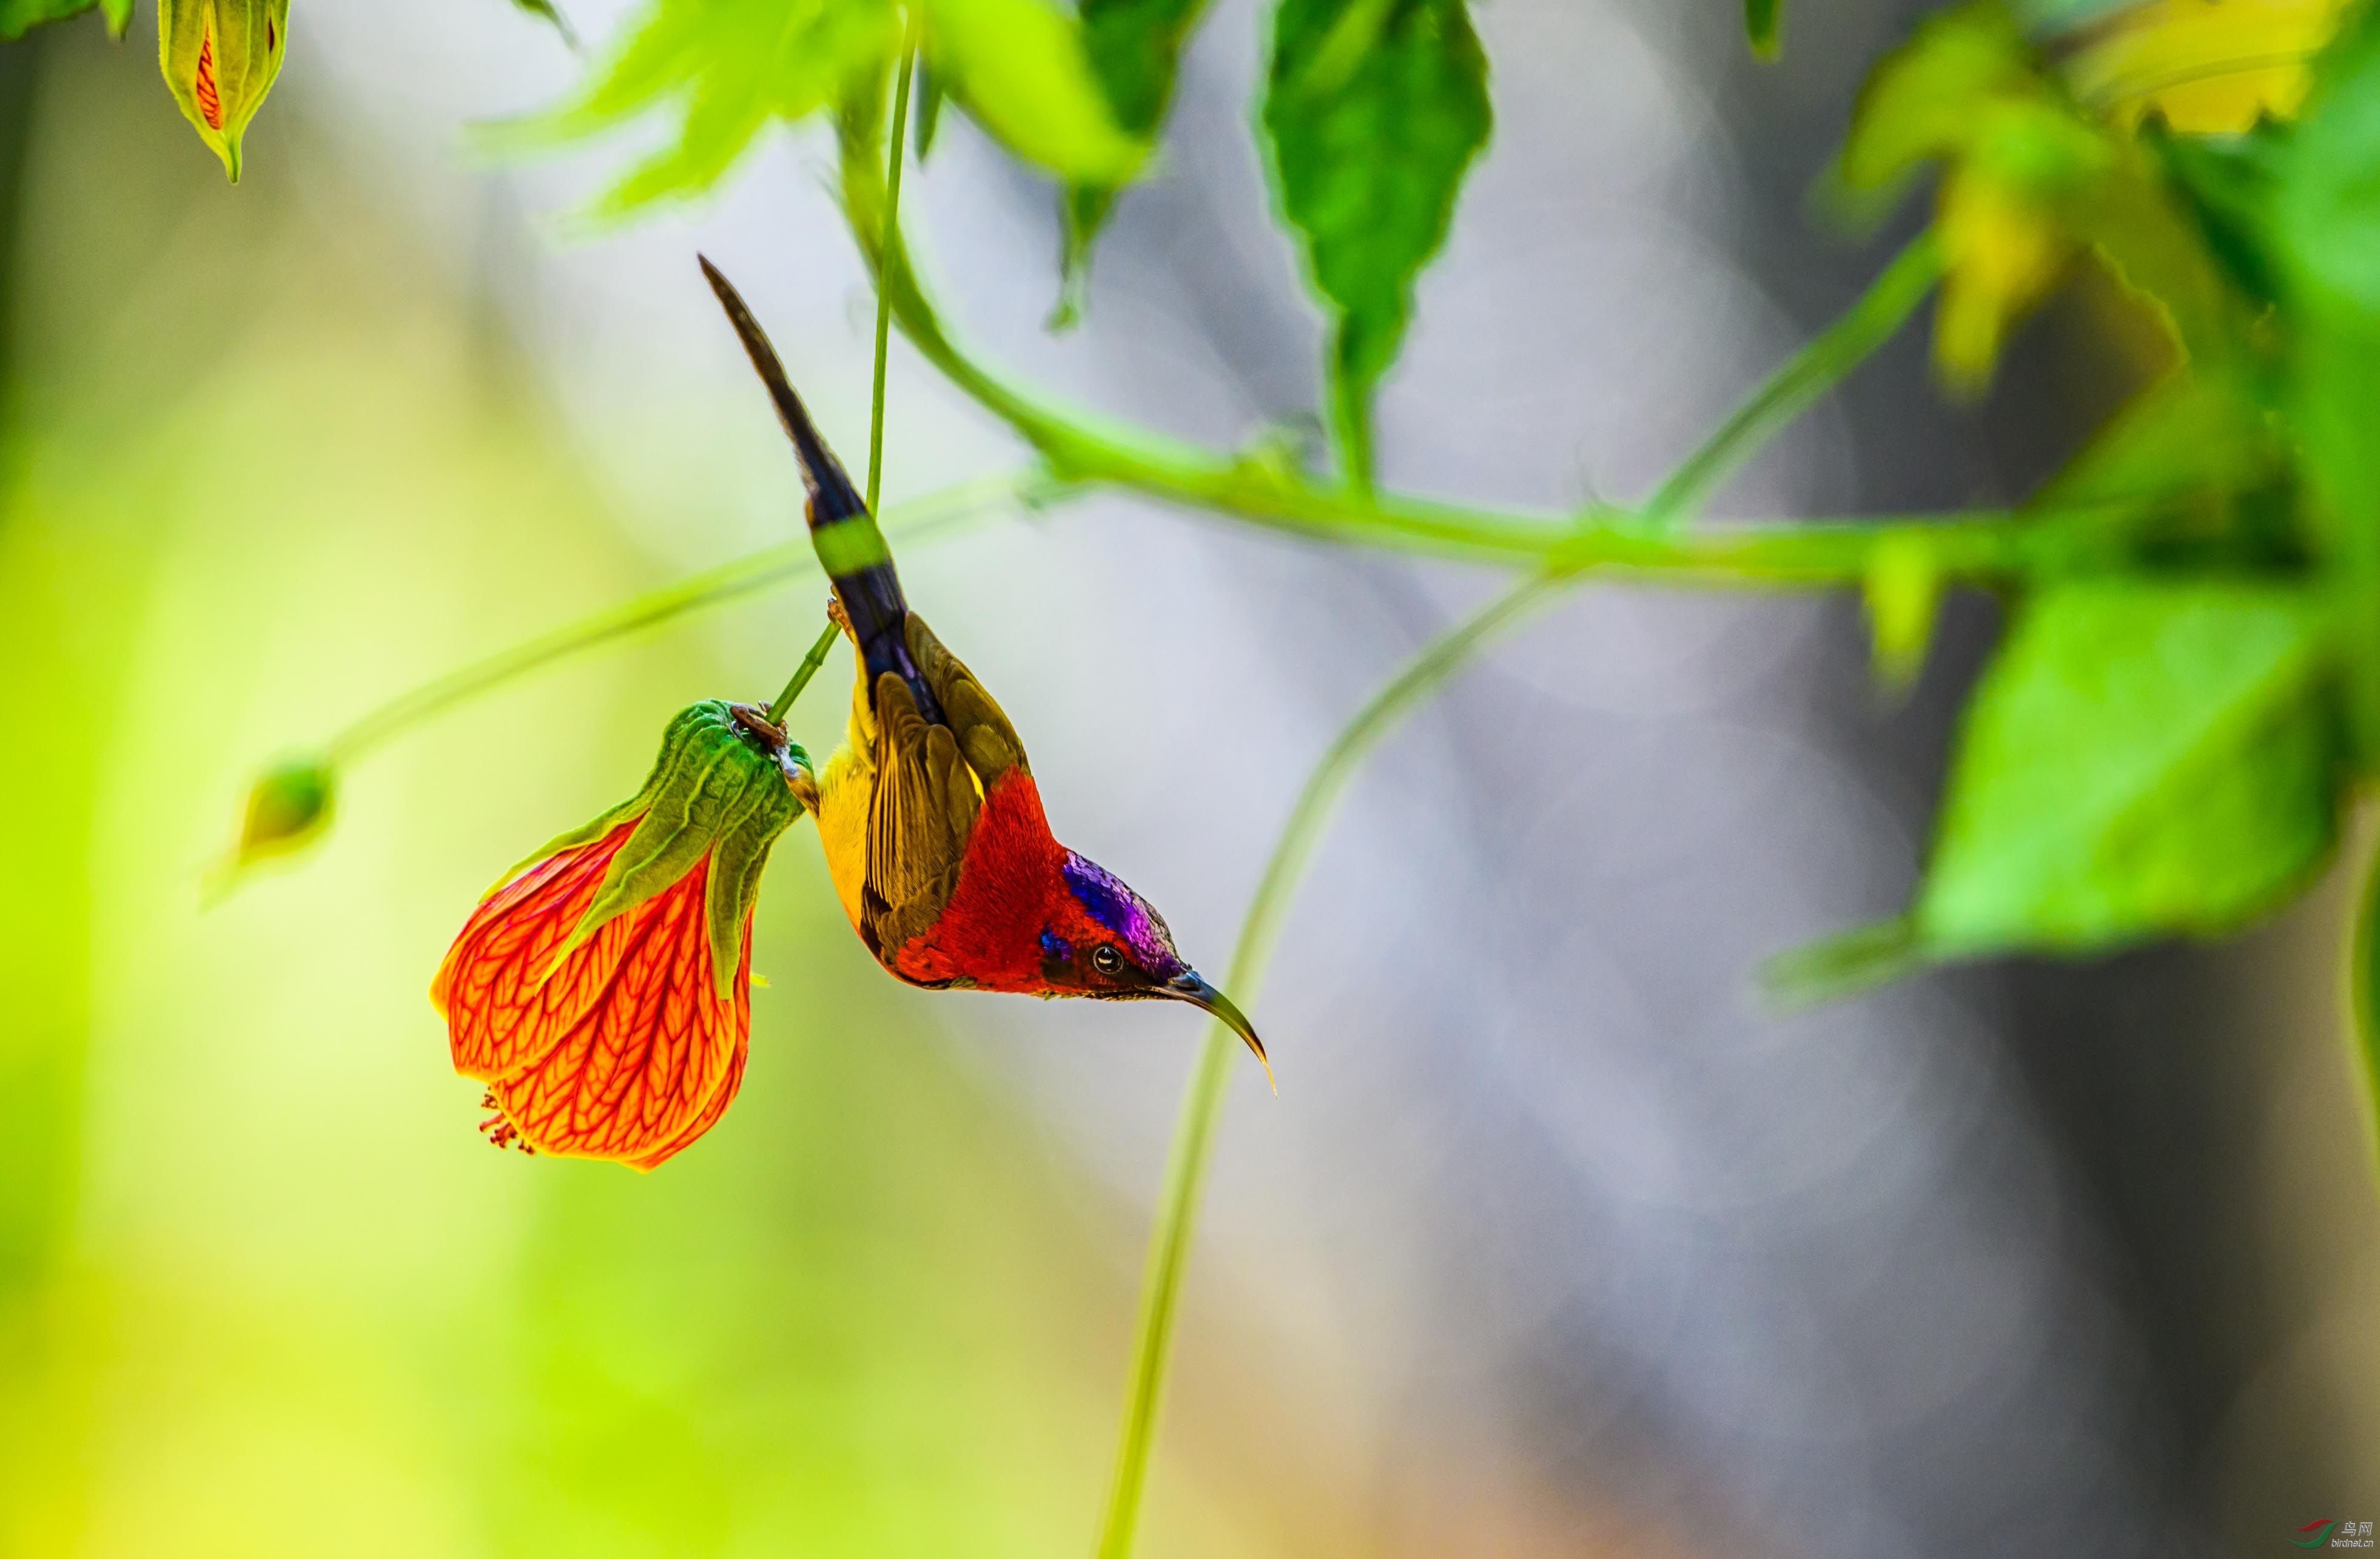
[
  {"x": 984, "y": 735},
  {"x": 929, "y": 782},
  {"x": 920, "y": 817}
]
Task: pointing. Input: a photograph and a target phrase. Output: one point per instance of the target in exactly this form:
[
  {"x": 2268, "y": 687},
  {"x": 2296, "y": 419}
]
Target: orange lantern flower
[{"x": 602, "y": 991}]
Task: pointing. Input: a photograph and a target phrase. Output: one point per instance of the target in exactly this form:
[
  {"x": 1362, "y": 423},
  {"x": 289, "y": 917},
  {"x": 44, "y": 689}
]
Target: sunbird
[
  {"x": 931, "y": 820},
  {"x": 601, "y": 991}
]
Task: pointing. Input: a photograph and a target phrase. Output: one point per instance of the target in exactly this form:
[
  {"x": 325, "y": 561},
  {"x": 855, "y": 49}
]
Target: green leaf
[
  {"x": 2177, "y": 459},
  {"x": 2326, "y": 229},
  {"x": 2226, "y": 186},
  {"x": 1760, "y": 25},
  {"x": 1374, "y": 109},
  {"x": 546, "y": 9},
  {"x": 1922, "y": 100},
  {"x": 2029, "y": 179},
  {"x": 1020, "y": 69},
  {"x": 2142, "y": 760},
  {"x": 1135, "y": 51},
  {"x": 19, "y": 16},
  {"x": 734, "y": 66}
]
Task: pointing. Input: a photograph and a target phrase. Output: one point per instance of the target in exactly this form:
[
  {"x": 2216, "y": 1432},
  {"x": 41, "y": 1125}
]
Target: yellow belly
[
  {"x": 844, "y": 794},
  {"x": 846, "y": 791}
]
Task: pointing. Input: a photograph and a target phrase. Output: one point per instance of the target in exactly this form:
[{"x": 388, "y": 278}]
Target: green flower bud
[
  {"x": 220, "y": 58},
  {"x": 288, "y": 806}
]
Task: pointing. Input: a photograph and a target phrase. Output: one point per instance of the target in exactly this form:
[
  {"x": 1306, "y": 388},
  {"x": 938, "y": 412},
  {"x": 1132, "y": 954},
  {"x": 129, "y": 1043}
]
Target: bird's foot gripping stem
[{"x": 771, "y": 738}]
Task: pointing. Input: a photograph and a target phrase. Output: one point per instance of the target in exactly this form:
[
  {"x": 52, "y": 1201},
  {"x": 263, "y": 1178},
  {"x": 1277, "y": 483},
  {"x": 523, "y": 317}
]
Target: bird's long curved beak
[{"x": 1198, "y": 994}]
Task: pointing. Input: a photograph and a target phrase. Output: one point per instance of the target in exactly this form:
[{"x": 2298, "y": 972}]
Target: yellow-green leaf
[
  {"x": 19, "y": 16},
  {"x": 2204, "y": 67},
  {"x": 1135, "y": 51},
  {"x": 1020, "y": 69},
  {"x": 2326, "y": 229},
  {"x": 2029, "y": 181},
  {"x": 731, "y": 69}
]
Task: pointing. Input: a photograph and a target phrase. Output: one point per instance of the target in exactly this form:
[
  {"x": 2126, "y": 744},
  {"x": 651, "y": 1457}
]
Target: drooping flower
[
  {"x": 602, "y": 991},
  {"x": 220, "y": 57}
]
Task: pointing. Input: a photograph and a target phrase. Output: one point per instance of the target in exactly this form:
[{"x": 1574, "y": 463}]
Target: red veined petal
[
  {"x": 650, "y": 1061},
  {"x": 203, "y": 88},
  {"x": 726, "y": 1095},
  {"x": 503, "y": 1010}
]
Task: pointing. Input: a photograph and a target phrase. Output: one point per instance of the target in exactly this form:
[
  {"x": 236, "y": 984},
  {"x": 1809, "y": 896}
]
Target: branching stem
[{"x": 1819, "y": 365}]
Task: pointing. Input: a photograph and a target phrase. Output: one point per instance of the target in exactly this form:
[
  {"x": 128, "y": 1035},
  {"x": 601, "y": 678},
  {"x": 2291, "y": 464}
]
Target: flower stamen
[{"x": 499, "y": 1129}]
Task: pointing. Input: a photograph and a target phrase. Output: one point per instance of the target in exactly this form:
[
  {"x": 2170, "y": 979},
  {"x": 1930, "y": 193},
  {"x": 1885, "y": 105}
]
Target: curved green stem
[
  {"x": 1265, "y": 490},
  {"x": 1820, "y": 365},
  {"x": 891, "y": 226},
  {"x": 1868, "y": 324},
  {"x": 1202, "y": 1103},
  {"x": 931, "y": 516}
]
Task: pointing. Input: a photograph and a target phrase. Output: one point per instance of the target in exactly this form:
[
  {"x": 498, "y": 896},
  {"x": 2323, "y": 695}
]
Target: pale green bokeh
[{"x": 263, "y": 1290}]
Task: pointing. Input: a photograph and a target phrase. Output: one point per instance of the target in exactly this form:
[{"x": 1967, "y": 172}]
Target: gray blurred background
[{"x": 1554, "y": 1241}]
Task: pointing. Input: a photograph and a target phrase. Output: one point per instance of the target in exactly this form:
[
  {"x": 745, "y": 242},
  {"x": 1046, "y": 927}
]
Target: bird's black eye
[{"x": 1106, "y": 959}]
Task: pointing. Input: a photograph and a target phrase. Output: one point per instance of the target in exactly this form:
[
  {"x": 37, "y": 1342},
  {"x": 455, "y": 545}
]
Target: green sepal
[
  {"x": 719, "y": 790},
  {"x": 240, "y": 44}
]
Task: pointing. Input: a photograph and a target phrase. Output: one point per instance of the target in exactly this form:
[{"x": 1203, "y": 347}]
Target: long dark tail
[{"x": 850, "y": 548}]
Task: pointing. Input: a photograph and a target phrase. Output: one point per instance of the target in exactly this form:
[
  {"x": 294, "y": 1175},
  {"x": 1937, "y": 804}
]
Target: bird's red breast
[{"x": 1010, "y": 883}]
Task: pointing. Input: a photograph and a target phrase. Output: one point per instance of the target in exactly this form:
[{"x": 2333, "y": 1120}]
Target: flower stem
[
  {"x": 802, "y": 674},
  {"x": 1872, "y": 320},
  {"x": 915, "y": 522},
  {"x": 884, "y": 304},
  {"x": 1820, "y": 365}
]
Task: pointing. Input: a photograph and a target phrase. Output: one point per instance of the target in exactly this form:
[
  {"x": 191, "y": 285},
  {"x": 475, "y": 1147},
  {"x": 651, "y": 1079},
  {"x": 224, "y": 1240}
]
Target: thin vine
[{"x": 1809, "y": 373}]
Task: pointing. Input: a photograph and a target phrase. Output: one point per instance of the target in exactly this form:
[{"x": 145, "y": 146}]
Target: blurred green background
[{"x": 262, "y": 1289}]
